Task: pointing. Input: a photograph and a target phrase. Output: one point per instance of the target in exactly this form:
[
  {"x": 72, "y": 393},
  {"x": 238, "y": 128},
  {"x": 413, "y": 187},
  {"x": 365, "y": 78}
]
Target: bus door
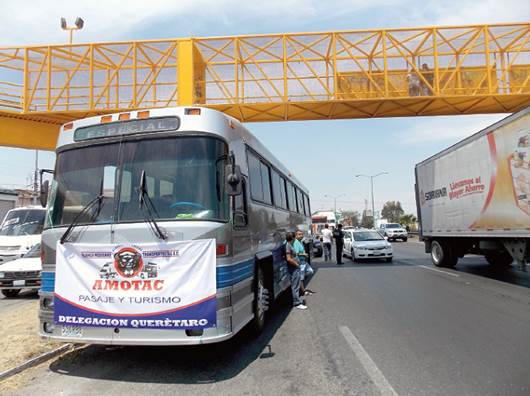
[{"x": 240, "y": 231}]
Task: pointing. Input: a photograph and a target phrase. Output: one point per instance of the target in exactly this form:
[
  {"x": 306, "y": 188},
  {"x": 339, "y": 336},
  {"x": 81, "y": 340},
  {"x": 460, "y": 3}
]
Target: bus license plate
[
  {"x": 19, "y": 283},
  {"x": 72, "y": 331}
]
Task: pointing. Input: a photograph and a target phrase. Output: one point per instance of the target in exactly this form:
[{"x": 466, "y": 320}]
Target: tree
[
  {"x": 408, "y": 220},
  {"x": 350, "y": 218},
  {"x": 367, "y": 221},
  {"x": 392, "y": 211}
]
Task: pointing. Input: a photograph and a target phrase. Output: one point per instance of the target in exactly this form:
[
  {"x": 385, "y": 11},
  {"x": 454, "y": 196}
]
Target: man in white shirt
[{"x": 326, "y": 240}]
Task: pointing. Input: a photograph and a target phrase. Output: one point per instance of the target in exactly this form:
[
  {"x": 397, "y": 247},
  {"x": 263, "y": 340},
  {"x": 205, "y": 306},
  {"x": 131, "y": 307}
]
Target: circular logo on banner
[{"x": 128, "y": 262}]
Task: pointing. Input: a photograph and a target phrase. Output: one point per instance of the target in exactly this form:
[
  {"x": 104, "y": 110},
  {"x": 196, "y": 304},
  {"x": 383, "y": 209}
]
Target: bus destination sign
[{"x": 130, "y": 127}]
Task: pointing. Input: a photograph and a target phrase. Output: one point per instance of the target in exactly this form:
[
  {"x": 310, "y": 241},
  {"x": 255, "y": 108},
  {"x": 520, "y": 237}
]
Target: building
[
  {"x": 320, "y": 218},
  {"x": 8, "y": 200}
]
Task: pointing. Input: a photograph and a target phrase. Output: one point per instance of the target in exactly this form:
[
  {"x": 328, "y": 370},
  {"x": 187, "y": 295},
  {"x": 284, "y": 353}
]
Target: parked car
[
  {"x": 393, "y": 231},
  {"x": 367, "y": 244},
  {"x": 22, "y": 273}
]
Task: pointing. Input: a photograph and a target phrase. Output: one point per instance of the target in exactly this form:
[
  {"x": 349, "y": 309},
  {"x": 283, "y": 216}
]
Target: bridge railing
[{"x": 245, "y": 72}]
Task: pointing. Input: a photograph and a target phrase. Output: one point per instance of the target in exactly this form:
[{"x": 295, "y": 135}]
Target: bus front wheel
[{"x": 261, "y": 301}]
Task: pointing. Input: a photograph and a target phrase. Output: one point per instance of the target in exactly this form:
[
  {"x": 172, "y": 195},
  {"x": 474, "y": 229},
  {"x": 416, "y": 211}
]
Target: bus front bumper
[{"x": 230, "y": 319}]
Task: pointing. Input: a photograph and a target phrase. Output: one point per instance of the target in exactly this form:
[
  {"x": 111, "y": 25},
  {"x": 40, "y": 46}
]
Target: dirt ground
[{"x": 19, "y": 335}]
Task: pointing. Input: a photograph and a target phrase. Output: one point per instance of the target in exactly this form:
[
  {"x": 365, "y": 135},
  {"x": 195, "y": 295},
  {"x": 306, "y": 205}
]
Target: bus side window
[
  {"x": 240, "y": 206},
  {"x": 291, "y": 197},
  {"x": 307, "y": 206},
  {"x": 299, "y": 201}
]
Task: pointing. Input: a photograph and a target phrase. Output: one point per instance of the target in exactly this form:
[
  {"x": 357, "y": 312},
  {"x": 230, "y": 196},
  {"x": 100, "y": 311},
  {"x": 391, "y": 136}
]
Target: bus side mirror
[
  {"x": 44, "y": 193},
  {"x": 44, "y": 187},
  {"x": 233, "y": 180}
]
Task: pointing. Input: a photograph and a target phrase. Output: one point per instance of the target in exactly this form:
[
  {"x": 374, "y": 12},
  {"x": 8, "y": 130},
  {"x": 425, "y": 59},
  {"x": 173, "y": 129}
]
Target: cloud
[
  {"x": 471, "y": 12},
  {"x": 37, "y": 21},
  {"x": 449, "y": 129}
]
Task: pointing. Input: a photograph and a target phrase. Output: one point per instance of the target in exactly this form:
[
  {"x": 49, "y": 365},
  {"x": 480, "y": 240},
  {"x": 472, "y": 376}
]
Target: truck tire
[
  {"x": 261, "y": 302},
  {"x": 499, "y": 259},
  {"x": 9, "y": 293},
  {"x": 442, "y": 255}
]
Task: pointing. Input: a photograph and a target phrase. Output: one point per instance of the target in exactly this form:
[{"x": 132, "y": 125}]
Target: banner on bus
[{"x": 161, "y": 285}]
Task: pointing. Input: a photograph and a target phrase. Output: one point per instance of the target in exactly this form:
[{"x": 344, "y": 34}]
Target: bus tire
[
  {"x": 261, "y": 301},
  {"x": 442, "y": 254},
  {"x": 10, "y": 293}
]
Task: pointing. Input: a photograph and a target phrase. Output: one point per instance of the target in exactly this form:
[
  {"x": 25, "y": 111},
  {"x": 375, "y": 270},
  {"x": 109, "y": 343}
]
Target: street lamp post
[
  {"x": 372, "y": 177},
  {"x": 334, "y": 197},
  {"x": 79, "y": 23}
]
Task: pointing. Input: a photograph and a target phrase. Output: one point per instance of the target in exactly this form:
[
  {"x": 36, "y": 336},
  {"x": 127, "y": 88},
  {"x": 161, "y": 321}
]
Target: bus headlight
[
  {"x": 47, "y": 303},
  {"x": 48, "y": 327}
]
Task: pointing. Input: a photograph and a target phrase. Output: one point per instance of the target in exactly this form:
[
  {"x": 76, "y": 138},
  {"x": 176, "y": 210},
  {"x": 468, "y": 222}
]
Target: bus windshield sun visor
[
  {"x": 148, "y": 208},
  {"x": 132, "y": 127}
]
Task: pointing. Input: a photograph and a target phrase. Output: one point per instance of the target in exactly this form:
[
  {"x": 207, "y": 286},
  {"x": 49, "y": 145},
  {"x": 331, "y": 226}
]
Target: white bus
[{"x": 138, "y": 203}]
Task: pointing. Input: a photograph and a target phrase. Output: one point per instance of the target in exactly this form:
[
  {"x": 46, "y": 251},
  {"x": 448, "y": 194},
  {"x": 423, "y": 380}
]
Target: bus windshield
[
  {"x": 23, "y": 222},
  {"x": 184, "y": 180}
]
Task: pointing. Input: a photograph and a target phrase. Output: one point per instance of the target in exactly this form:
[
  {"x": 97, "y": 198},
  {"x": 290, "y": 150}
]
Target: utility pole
[
  {"x": 334, "y": 197},
  {"x": 36, "y": 178},
  {"x": 372, "y": 177}
]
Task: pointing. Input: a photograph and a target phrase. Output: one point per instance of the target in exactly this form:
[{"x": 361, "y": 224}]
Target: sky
[{"x": 324, "y": 155}]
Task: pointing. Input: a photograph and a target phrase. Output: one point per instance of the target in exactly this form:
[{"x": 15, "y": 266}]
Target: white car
[
  {"x": 393, "y": 231},
  {"x": 23, "y": 273},
  {"x": 20, "y": 231},
  {"x": 367, "y": 244}
]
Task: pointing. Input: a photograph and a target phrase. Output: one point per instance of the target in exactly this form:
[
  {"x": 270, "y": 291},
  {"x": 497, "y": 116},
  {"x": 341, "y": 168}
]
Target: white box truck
[{"x": 474, "y": 197}]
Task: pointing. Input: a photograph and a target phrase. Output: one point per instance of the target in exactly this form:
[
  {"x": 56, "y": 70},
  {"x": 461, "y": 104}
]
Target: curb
[{"x": 35, "y": 361}]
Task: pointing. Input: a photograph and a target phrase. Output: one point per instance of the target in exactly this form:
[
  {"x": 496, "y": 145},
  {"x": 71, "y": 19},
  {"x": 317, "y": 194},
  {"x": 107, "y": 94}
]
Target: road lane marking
[
  {"x": 368, "y": 364},
  {"x": 437, "y": 270}
]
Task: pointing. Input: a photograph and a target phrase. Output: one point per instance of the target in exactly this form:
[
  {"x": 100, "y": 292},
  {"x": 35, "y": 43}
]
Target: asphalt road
[{"x": 373, "y": 328}]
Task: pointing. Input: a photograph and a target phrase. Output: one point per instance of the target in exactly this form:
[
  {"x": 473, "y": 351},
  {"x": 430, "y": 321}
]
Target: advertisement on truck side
[
  {"x": 483, "y": 185},
  {"x": 159, "y": 285}
]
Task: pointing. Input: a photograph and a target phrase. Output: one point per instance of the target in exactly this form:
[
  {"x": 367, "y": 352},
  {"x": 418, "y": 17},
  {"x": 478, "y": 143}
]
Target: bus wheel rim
[{"x": 262, "y": 299}]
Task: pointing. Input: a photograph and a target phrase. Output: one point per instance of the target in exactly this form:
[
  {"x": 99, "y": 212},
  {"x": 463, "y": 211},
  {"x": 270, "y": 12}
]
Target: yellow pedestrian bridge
[{"x": 276, "y": 77}]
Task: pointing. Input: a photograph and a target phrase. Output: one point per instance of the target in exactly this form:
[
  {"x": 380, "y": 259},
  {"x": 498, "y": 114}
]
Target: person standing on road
[
  {"x": 305, "y": 268},
  {"x": 338, "y": 235},
  {"x": 293, "y": 266},
  {"x": 326, "y": 240}
]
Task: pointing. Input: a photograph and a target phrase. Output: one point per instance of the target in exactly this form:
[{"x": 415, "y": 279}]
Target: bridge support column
[{"x": 191, "y": 74}]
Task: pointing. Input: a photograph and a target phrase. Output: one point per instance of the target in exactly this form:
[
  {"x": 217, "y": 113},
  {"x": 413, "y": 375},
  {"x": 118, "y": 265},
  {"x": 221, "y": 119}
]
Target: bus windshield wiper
[
  {"x": 148, "y": 208},
  {"x": 77, "y": 219}
]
